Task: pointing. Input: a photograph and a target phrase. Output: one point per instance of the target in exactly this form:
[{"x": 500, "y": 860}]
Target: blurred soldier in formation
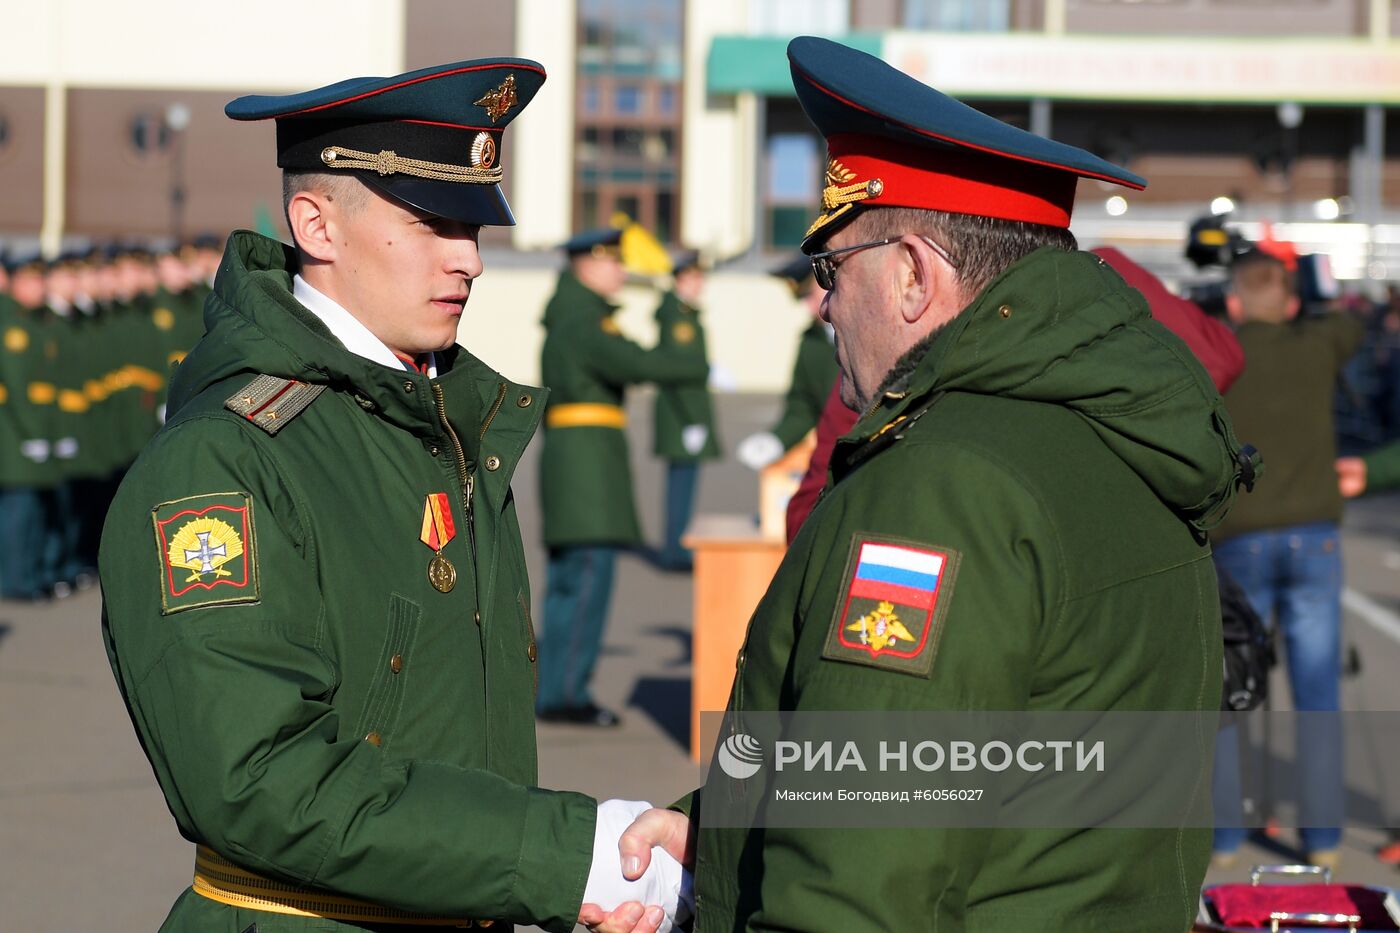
[
  {"x": 89, "y": 340},
  {"x": 812, "y": 375},
  {"x": 684, "y": 433},
  {"x": 27, "y": 476},
  {"x": 585, "y": 475}
]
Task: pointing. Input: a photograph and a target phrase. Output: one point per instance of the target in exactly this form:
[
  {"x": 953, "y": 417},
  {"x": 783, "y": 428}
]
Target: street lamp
[
  {"x": 1290, "y": 117},
  {"x": 177, "y": 119}
]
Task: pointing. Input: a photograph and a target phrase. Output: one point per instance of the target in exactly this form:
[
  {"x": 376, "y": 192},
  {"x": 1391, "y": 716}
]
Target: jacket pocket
[
  {"x": 385, "y": 696},
  {"x": 532, "y": 652}
]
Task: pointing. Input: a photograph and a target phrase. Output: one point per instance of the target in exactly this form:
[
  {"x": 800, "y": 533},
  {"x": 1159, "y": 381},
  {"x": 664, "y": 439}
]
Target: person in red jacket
[{"x": 1212, "y": 341}]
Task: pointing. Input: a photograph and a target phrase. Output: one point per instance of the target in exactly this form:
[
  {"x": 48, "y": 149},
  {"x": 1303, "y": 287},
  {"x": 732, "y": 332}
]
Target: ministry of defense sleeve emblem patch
[
  {"x": 893, "y": 601},
  {"x": 207, "y": 551}
]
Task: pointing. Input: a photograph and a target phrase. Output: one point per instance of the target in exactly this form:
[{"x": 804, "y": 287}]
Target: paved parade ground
[{"x": 86, "y": 842}]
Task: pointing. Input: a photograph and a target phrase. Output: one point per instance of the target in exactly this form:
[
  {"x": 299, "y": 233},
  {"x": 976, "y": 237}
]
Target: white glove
[
  {"x": 722, "y": 378},
  {"x": 65, "y": 448},
  {"x": 693, "y": 437},
  {"x": 660, "y": 885},
  {"x": 36, "y": 449},
  {"x": 758, "y": 450}
]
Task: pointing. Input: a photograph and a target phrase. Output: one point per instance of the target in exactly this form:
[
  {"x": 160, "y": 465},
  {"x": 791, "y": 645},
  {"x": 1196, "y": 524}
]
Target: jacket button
[
  {"x": 493, "y": 463},
  {"x": 396, "y": 663},
  {"x": 1005, "y": 311},
  {"x": 434, "y": 451},
  {"x": 375, "y": 739},
  {"x": 524, "y": 401},
  {"x": 407, "y": 386},
  {"x": 739, "y": 661},
  {"x": 532, "y": 654},
  {"x": 476, "y": 616}
]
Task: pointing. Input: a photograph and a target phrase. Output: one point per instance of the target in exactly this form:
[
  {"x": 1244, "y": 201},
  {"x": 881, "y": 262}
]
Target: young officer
[{"x": 316, "y": 601}]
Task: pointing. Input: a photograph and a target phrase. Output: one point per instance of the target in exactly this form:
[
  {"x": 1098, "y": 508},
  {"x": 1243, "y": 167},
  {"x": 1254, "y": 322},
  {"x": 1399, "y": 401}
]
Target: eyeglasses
[{"x": 825, "y": 270}]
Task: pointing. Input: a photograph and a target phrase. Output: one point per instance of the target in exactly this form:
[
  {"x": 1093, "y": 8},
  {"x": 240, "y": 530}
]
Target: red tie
[{"x": 418, "y": 364}]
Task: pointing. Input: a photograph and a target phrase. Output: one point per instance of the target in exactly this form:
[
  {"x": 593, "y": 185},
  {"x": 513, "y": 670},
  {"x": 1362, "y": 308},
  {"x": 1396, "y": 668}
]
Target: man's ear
[
  {"x": 925, "y": 279},
  {"x": 1234, "y": 308},
  {"x": 307, "y": 213},
  {"x": 1295, "y": 304}
]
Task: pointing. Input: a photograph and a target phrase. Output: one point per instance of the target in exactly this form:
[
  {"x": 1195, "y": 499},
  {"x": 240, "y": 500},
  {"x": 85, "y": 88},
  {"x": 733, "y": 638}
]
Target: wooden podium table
[{"x": 734, "y": 563}]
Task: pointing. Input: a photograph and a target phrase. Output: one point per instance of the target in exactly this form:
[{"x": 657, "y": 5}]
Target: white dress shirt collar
[{"x": 346, "y": 328}]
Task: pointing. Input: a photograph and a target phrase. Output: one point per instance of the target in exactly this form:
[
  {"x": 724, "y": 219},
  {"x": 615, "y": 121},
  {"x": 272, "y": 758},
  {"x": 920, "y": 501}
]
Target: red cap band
[{"x": 956, "y": 181}]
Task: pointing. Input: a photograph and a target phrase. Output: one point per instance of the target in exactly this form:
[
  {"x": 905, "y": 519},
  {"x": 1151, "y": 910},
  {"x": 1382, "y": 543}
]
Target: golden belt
[
  {"x": 585, "y": 415},
  {"x": 220, "y": 880}
]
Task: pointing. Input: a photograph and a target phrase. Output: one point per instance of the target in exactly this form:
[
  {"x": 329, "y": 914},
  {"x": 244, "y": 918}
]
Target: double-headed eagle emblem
[{"x": 880, "y": 629}]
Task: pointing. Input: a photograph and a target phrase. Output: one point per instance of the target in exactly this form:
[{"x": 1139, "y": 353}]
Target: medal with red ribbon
[{"x": 438, "y": 529}]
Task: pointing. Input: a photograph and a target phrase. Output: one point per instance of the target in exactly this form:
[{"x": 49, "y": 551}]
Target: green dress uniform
[
  {"x": 586, "y": 476},
  {"x": 1080, "y": 584},
  {"x": 316, "y": 709},
  {"x": 813, "y": 374},
  {"x": 683, "y": 432},
  {"x": 1051, "y": 457},
  {"x": 27, "y": 475},
  {"x": 681, "y": 406},
  {"x": 315, "y": 597},
  {"x": 1383, "y": 468}
]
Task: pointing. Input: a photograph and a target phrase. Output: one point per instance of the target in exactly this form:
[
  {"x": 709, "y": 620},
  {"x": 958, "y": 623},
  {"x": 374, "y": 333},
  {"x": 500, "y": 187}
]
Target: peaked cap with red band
[
  {"x": 895, "y": 142},
  {"x": 430, "y": 138}
]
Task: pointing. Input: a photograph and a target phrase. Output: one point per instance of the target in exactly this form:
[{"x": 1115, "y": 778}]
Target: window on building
[
  {"x": 957, "y": 15},
  {"x": 792, "y": 185},
  {"x": 626, "y": 160},
  {"x": 795, "y": 17},
  {"x": 627, "y": 99},
  {"x": 590, "y": 97}
]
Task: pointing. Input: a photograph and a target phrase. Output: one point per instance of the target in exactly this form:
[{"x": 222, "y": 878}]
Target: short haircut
[
  {"x": 981, "y": 247},
  {"x": 1257, "y": 271},
  {"x": 346, "y": 190}
]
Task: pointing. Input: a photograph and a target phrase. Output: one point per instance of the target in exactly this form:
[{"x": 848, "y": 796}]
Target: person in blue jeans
[
  {"x": 1293, "y": 577},
  {"x": 1281, "y": 542}
]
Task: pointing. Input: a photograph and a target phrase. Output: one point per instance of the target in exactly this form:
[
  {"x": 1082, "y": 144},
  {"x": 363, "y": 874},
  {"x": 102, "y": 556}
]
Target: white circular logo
[{"x": 740, "y": 756}]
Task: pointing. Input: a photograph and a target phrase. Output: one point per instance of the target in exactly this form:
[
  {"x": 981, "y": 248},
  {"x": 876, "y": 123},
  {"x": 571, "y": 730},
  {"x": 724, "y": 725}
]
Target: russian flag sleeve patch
[{"x": 894, "y": 597}]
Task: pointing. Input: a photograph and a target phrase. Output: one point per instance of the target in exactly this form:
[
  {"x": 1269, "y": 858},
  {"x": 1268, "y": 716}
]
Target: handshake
[{"x": 638, "y": 882}]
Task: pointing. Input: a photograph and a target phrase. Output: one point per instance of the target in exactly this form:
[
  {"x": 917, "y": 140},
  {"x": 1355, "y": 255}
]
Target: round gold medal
[{"x": 441, "y": 574}]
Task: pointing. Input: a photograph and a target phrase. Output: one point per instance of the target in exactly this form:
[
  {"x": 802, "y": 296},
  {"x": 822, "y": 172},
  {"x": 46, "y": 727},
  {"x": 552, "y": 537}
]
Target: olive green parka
[
  {"x": 585, "y": 468},
  {"x": 678, "y": 407},
  {"x": 1062, "y": 451},
  {"x": 321, "y": 714}
]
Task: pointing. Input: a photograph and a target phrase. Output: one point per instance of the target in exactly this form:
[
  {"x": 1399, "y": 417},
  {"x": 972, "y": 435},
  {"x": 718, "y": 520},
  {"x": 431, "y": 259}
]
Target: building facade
[{"x": 681, "y": 115}]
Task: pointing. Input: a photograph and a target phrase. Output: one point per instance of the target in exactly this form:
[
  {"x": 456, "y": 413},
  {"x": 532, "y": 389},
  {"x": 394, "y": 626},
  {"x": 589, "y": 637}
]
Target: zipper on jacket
[{"x": 495, "y": 409}]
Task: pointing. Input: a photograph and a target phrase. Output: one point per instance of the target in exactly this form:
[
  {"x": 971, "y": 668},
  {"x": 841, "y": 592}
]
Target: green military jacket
[
  {"x": 587, "y": 363},
  {"x": 316, "y": 710},
  {"x": 1383, "y": 468},
  {"x": 682, "y": 407},
  {"x": 812, "y": 377},
  {"x": 1061, "y": 452},
  {"x": 28, "y": 397}
]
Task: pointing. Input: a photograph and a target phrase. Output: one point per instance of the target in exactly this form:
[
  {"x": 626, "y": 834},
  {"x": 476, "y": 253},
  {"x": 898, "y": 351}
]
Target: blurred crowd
[{"x": 89, "y": 337}]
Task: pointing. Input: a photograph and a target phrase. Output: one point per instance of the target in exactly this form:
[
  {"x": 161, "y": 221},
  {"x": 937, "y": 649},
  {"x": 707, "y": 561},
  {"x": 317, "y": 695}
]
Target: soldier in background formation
[
  {"x": 812, "y": 375},
  {"x": 684, "y": 415},
  {"x": 87, "y": 340},
  {"x": 585, "y": 474}
]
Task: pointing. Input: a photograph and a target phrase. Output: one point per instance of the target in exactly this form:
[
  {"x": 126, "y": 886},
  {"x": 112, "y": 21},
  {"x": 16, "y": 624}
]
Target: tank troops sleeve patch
[
  {"x": 892, "y": 605},
  {"x": 207, "y": 551}
]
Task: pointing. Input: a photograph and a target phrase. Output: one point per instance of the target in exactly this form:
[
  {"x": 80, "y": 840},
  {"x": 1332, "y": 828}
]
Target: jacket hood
[
  {"x": 1065, "y": 329},
  {"x": 254, "y": 326}
]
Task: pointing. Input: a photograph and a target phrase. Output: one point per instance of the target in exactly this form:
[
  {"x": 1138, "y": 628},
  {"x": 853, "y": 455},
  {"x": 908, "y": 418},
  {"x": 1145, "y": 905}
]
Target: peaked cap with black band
[
  {"x": 893, "y": 141},
  {"x": 430, "y": 138}
]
